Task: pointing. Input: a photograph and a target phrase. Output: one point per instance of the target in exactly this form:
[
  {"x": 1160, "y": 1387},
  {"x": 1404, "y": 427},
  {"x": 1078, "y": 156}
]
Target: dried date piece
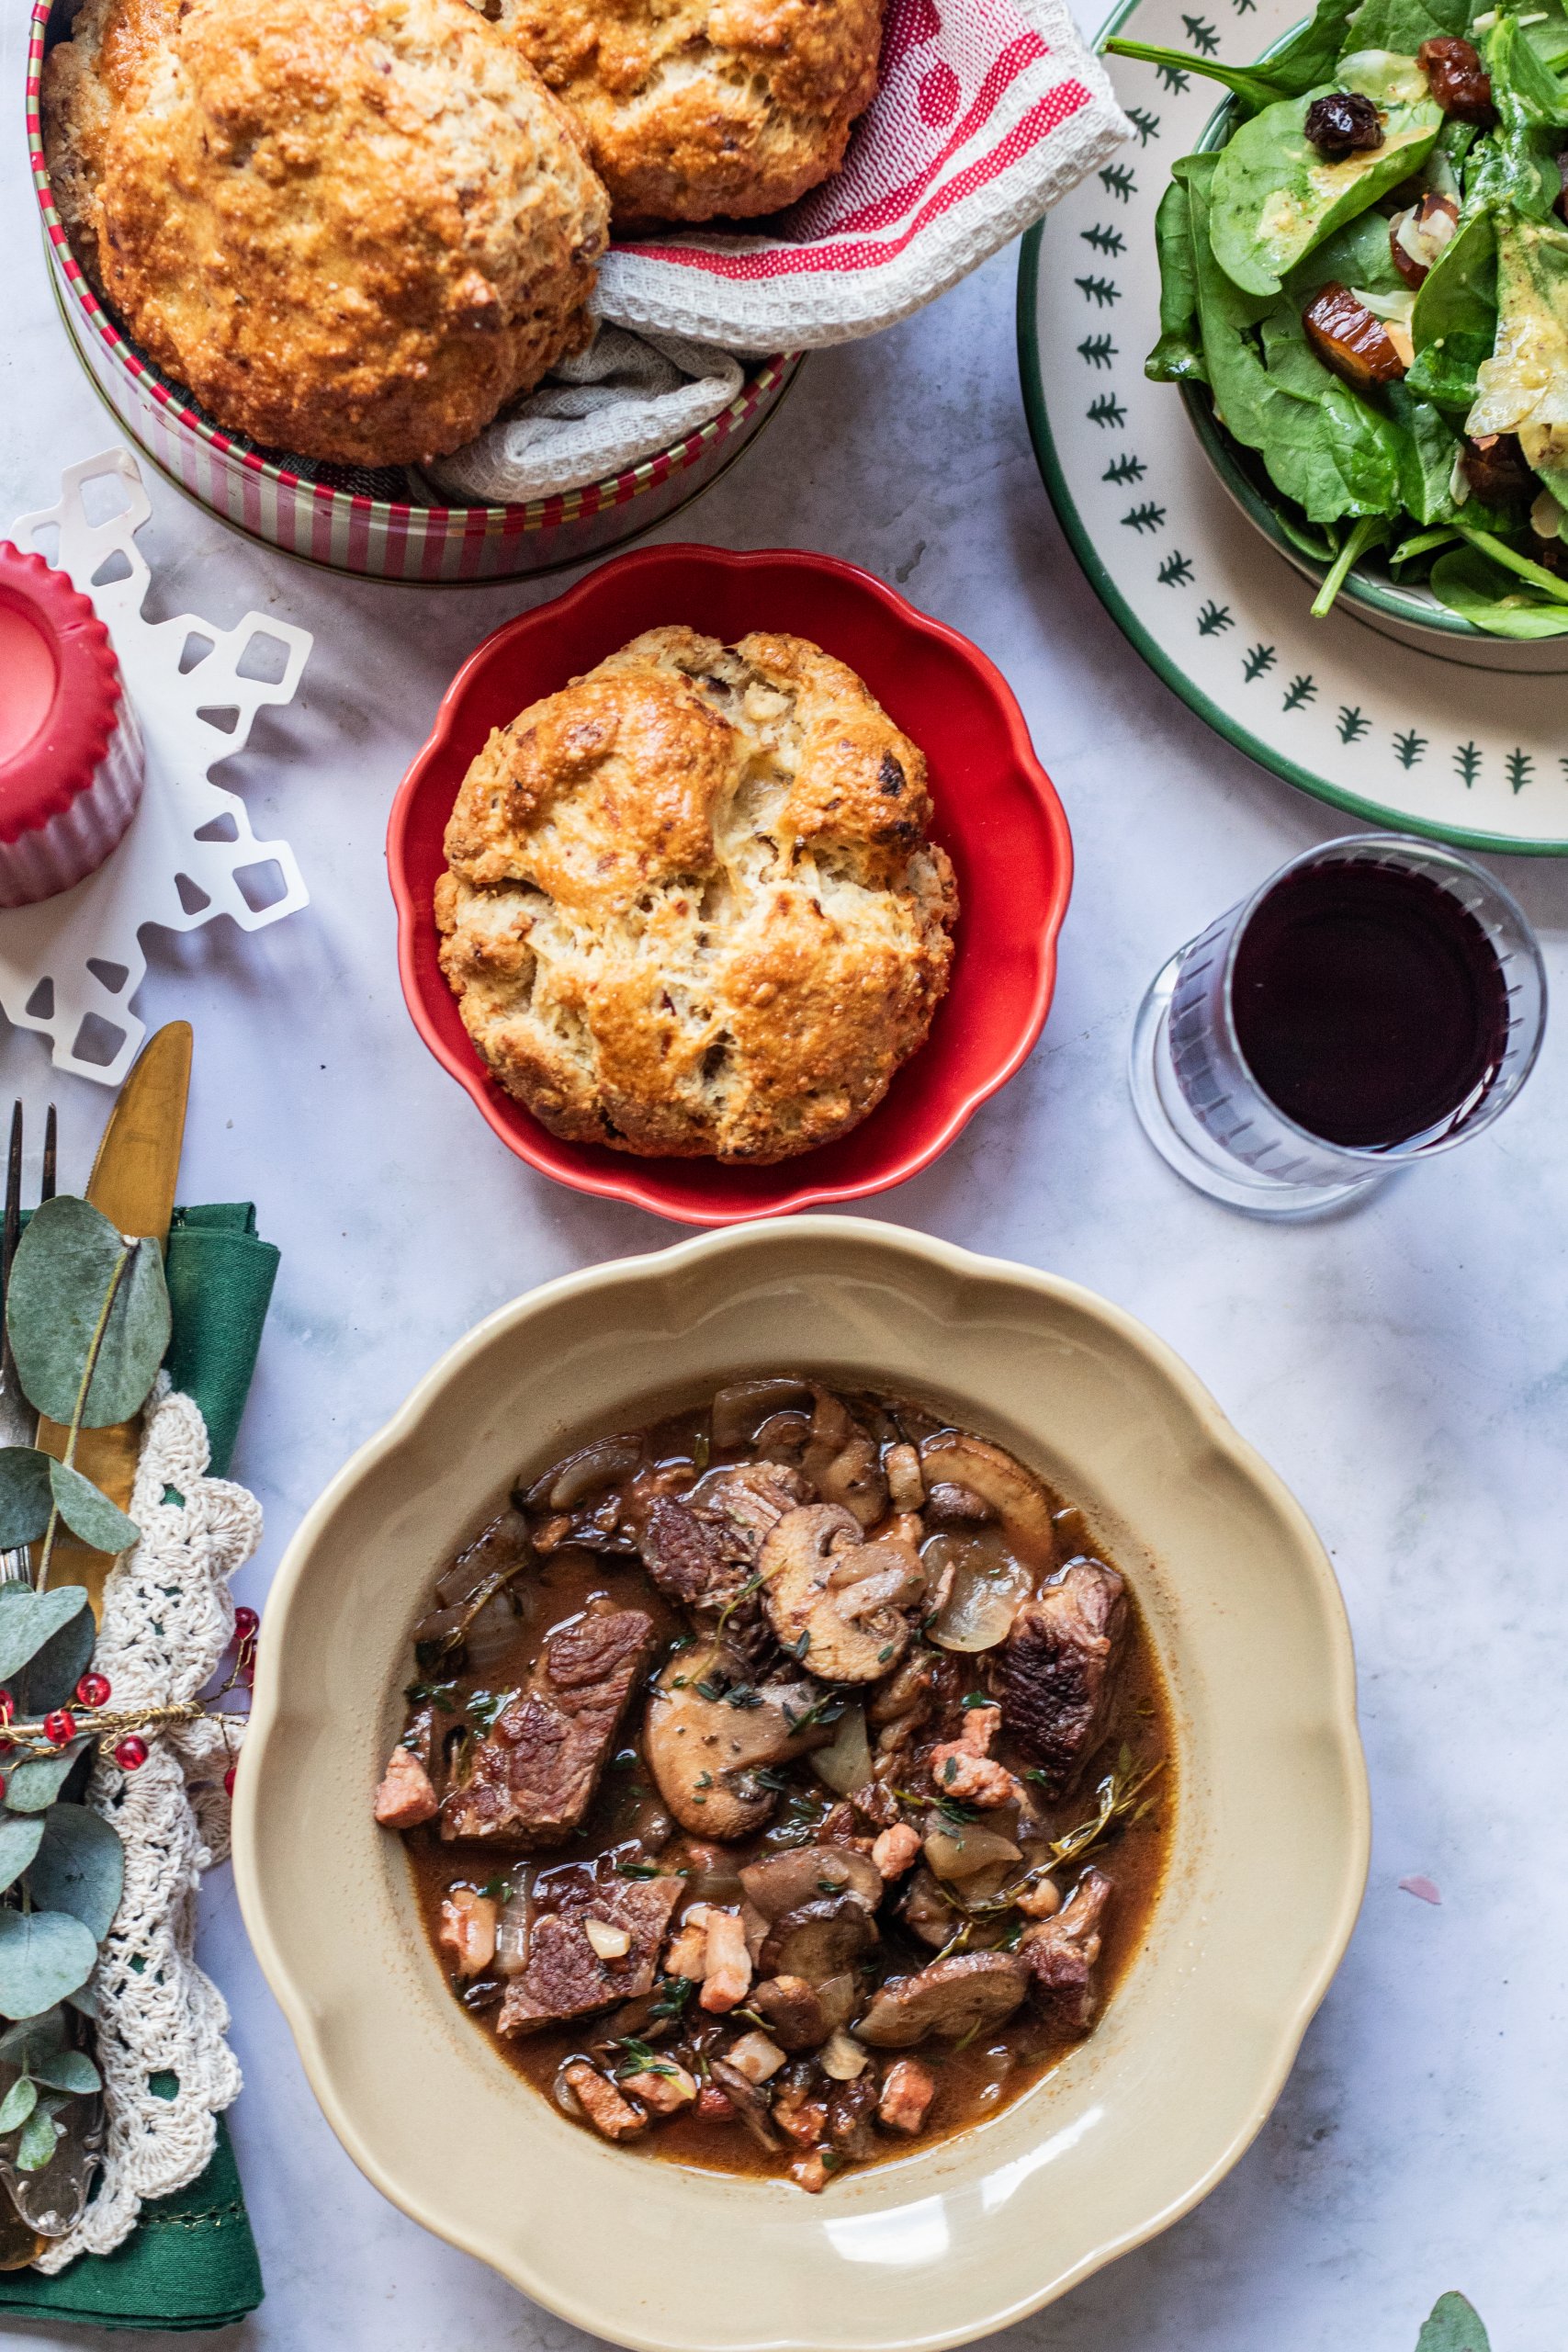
[
  {"x": 1457, "y": 80},
  {"x": 1495, "y": 467},
  {"x": 1344, "y": 123},
  {"x": 1348, "y": 338}
]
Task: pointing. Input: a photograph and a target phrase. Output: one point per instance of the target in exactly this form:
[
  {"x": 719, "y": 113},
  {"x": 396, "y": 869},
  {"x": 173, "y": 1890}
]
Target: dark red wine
[{"x": 1369, "y": 1005}]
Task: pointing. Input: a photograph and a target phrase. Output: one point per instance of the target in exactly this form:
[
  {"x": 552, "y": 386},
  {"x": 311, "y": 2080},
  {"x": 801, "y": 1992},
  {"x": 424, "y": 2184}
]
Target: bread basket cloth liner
[
  {"x": 190, "y": 2262},
  {"x": 987, "y": 112}
]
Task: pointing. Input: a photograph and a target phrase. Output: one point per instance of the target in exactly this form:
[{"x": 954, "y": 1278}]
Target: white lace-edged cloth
[
  {"x": 167, "y": 1620},
  {"x": 626, "y": 397}
]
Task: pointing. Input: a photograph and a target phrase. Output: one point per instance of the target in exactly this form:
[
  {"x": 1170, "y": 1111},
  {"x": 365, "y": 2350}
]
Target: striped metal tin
[{"x": 326, "y": 514}]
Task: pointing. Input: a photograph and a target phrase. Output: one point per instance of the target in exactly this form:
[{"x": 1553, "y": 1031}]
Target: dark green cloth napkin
[{"x": 191, "y": 2260}]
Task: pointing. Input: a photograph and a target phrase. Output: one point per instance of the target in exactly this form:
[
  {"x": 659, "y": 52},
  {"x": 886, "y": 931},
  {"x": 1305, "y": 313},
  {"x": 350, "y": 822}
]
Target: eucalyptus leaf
[
  {"x": 45, "y": 1955},
  {"x": 1454, "y": 2327},
  {"x": 51, "y": 1676},
  {"x": 89, "y": 1514},
  {"x": 24, "y": 1495},
  {"x": 80, "y": 1867},
  {"x": 35, "y": 1785},
  {"x": 29, "y": 1619},
  {"x": 37, "y": 2145},
  {"x": 17, "y": 2104},
  {"x": 69, "y": 2070},
  {"x": 21, "y": 2045},
  {"x": 84, "y": 2000},
  {"x": 64, "y": 1266},
  {"x": 20, "y": 1837}
]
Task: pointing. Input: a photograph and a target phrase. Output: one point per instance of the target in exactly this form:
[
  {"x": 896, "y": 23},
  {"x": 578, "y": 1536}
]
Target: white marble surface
[{"x": 1406, "y": 1368}]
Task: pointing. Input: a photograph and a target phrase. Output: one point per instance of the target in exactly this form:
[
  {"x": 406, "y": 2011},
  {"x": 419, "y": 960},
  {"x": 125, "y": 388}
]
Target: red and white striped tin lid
[{"x": 71, "y": 756}]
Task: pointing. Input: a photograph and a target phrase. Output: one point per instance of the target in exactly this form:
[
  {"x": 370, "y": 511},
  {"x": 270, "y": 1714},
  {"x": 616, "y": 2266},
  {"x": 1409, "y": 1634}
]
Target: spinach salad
[{"x": 1368, "y": 274}]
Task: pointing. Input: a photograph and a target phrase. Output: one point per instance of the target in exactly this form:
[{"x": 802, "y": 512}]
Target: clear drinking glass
[{"x": 1207, "y": 1114}]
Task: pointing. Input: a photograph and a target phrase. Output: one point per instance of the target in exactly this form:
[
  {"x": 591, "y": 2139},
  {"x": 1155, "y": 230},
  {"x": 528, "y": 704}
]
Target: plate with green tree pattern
[{"x": 1422, "y": 739}]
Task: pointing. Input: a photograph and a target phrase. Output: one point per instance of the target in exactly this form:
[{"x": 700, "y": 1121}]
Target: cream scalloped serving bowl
[{"x": 1271, "y": 1831}]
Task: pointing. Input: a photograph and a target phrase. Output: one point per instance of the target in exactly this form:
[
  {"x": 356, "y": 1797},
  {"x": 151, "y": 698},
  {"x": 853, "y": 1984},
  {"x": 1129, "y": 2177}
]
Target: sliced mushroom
[
  {"x": 953, "y": 1458},
  {"x": 807, "y": 1875},
  {"x": 585, "y": 1473},
  {"x": 947, "y": 1501},
  {"x": 838, "y": 1604},
  {"x": 738, "y": 1409},
  {"x": 905, "y": 1485},
  {"x": 749, "y": 2104},
  {"x": 969, "y": 1993},
  {"x": 819, "y": 1940},
  {"x": 926, "y": 1913},
  {"x": 841, "y": 1461},
  {"x": 703, "y": 1749}
]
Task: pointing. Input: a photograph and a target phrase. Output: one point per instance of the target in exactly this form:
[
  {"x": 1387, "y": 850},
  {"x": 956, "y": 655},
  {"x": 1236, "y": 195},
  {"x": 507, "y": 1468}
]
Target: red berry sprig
[
  {"x": 95, "y": 1691},
  {"x": 130, "y": 1753},
  {"x": 60, "y": 1728},
  {"x": 229, "y": 1782}
]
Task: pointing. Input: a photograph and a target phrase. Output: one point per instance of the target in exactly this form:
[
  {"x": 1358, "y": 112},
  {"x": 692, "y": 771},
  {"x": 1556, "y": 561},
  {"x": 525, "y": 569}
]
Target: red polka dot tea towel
[{"x": 987, "y": 111}]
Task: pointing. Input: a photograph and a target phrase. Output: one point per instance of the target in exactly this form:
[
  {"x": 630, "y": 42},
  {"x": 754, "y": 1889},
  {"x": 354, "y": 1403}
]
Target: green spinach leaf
[
  {"x": 1177, "y": 356},
  {"x": 1276, "y": 197},
  {"x": 1483, "y": 593},
  {"x": 1523, "y": 388}
]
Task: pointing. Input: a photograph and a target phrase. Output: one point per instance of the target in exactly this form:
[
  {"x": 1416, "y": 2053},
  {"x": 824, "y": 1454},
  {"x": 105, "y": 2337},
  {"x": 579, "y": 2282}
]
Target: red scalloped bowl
[{"x": 997, "y": 815}]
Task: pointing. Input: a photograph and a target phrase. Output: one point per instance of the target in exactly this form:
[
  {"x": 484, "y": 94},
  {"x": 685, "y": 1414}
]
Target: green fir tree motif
[
  {"x": 1203, "y": 36},
  {"x": 1244, "y": 8},
  {"x": 1173, "y": 79},
  {"x": 1106, "y": 410},
  {"x": 1300, "y": 690},
  {"x": 1125, "y": 470},
  {"x": 1117, "y": 180},
  {"x": 1098, "y": 350},
  {"x": 1520, "y": 768},
  {"x": 1408, "y": 747},
  {"x": 1214, "y": 618},
  {"x": 1467, "y": 763},
  {"x": 1176, "y": 571},
  {"x": 1146, "y": 517},
  {"x": 1104, "y": 240},
  {"x": 1099, "y": 290},
  {"x": 1147, "y": 125},
  {"x": 1258, "y": 658},
  {"x": 1353, "y": 723}
]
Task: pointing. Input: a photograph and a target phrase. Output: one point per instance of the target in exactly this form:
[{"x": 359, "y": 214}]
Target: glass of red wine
[{"x": 1378, "y": 999}]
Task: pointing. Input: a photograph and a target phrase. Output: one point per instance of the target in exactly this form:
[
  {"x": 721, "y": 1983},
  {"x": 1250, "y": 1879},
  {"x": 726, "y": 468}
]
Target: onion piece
[
  {"x": 583, "y": 1474},
  {"x": 512, "y": 1931},
  {"x": 989, "y": 1587},
  {"x": 738, "y": 1410},
  {"x": 960, "y": 1849},
  {"x": 846, "y": 1765}
]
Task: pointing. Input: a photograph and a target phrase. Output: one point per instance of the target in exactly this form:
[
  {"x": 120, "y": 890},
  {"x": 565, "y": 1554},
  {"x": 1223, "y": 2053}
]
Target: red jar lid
[{"x": 60, "y": 692}]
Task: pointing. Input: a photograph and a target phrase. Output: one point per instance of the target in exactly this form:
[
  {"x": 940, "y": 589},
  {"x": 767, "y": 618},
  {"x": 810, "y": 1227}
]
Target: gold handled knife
[{"x": 132, "y": 1183}]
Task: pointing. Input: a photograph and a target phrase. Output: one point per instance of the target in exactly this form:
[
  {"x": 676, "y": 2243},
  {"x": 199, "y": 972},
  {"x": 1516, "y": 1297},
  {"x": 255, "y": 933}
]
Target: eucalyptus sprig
[
  {"x": 88, "y": 1319},
  {"x": 1454, "y": 2327}
]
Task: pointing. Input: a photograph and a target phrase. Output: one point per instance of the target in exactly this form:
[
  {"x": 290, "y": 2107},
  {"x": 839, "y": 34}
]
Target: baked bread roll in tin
[
  {"x": 703, "y": 109},
  {"x": 691, "y": 907},
  {"x": 354, "y": 230}
]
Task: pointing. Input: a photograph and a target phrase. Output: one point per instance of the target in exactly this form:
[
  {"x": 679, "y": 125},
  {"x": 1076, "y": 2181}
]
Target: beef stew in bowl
[{"x": 785, "y": 1781}]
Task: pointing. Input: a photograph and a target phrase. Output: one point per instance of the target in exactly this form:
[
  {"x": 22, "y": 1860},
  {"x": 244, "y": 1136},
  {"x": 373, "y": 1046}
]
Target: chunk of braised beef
[
  {"x": 534, "y": 1774},
  {"x": 1344, "y": 123},
  {"x": 1056, "y": 1672},
  {"x": 1349, "y": 340},
  {"x": 851, "y": 2111},
  {"x": 562, "y": 1975},
  {"x": 1062, "y": 1955},
  {"x": 1495, "y": 467},
  {"x": 1457, "y": 80},
  {"x": 692, "y": 1559}
]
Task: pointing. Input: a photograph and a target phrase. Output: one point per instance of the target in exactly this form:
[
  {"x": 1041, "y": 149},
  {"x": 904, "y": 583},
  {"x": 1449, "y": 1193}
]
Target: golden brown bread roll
[
  {"x": 691, "y": 907},
  {"x": 102, "y": 68},
  {"x": 354, "y": 230},
  {"x": 698, "y": 110}
]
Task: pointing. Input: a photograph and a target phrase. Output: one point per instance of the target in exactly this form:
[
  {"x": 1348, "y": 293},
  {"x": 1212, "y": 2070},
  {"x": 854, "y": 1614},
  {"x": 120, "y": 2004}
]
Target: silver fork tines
[{"x": 19, "y": 1421}]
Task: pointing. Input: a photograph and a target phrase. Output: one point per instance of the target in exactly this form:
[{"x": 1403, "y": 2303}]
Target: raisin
[
  {"x": 1344, "y": 123},
  {"x": 1457, "y": 80},
  {"x": 1495, "y": 469},
  {"x": 1348, "y": 338}
]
